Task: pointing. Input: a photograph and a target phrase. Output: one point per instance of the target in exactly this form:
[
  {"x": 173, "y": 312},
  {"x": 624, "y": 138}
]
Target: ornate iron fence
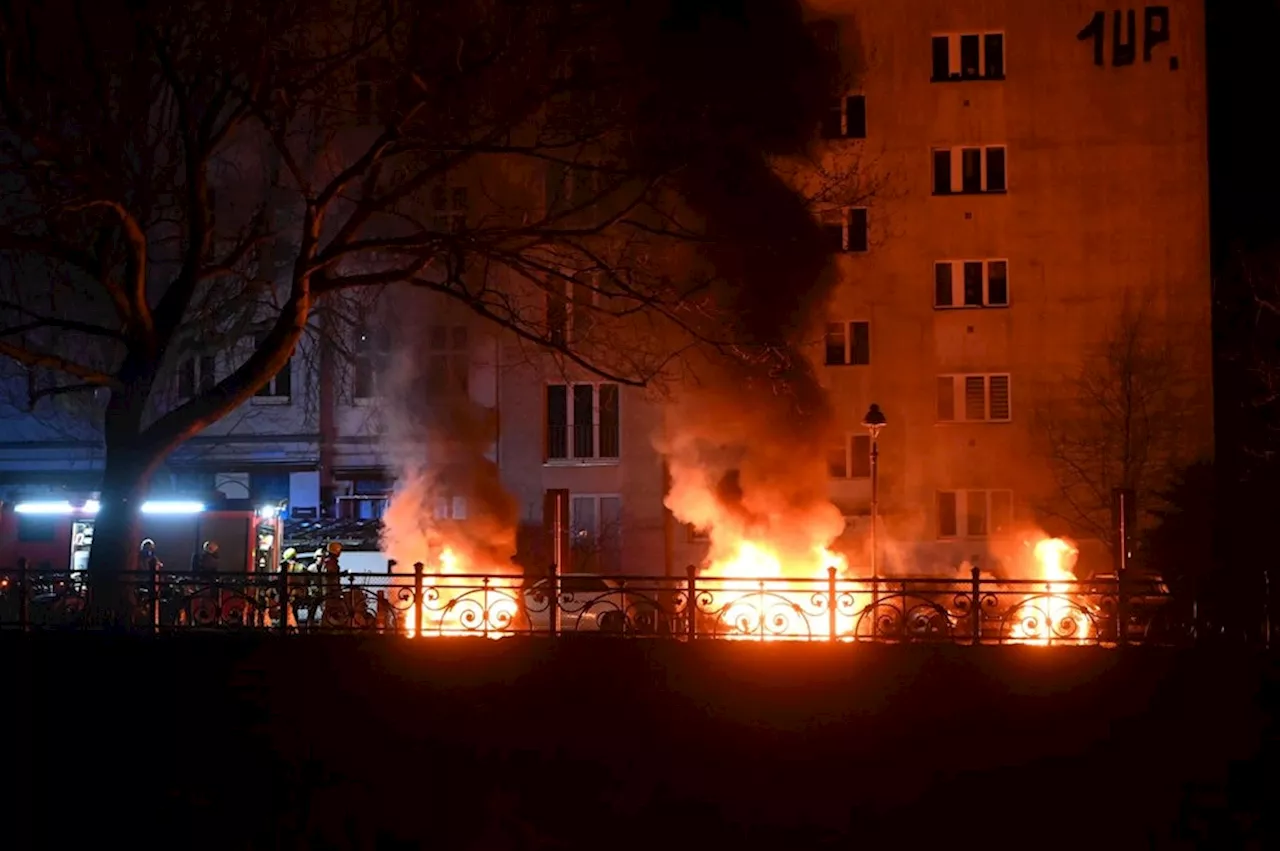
[{"x": 418, "y": 603}]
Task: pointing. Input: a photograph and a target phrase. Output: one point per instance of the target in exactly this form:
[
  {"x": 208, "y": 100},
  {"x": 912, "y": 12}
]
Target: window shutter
[
  {"x": 999, "y": 397},
  {"x": 975, "y": 402}
]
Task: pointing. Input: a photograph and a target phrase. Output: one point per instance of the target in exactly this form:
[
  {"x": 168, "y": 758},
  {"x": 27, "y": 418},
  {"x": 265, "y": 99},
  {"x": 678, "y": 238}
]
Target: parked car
[{"x": 593, "y": 603}]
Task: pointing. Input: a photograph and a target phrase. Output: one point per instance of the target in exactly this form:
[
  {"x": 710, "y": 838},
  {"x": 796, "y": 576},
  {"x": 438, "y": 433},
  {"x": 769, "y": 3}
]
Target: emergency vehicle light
[{"x": 43, "y": 508}]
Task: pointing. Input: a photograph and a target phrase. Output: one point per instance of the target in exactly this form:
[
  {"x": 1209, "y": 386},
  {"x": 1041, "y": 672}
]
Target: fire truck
[{"x": 56, "y": 536}]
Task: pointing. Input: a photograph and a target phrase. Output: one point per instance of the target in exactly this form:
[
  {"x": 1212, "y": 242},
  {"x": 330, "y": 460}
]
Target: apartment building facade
[{"x": 1040, "y": 184}]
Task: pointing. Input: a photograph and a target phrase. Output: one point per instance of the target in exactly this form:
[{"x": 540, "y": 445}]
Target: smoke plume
[{"x": 448, "y": 492}]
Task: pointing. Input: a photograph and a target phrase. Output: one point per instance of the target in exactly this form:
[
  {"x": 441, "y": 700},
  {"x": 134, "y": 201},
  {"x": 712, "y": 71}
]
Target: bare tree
[
  {"x": 182, "y": 177},
  {"x": 1119, "y": 425}
]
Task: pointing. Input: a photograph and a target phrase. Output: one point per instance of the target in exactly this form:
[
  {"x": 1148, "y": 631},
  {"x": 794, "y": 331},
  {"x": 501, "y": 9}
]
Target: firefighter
[
  {"x": 204, "y": 565},
  {"x": 328, "y": 561}
]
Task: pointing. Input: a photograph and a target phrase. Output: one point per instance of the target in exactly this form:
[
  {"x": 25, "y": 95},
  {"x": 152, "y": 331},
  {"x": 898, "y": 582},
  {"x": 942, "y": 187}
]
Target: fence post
[
  {"x": 1122, "y": 611},
  {"x": 553, "y": 600},
  {"x": 691, "y": 601},
  {"x": 24, "y": 594},
  {"x": 282, "y": 591},
  {"x": 831, "y": 604},
  {"x": 153, "y": 565},
  {"x": 416, "y": 629},
  {"x": 975, "y": 604}
]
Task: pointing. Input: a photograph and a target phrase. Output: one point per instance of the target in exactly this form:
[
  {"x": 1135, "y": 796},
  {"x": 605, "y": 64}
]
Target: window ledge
[
  {"x": 972, "y": 422},
  {"x": 961, "y": 78},
  {"x": 582, "y": 462},
  {"x": 963, "y": 194},
  {"x": 971, "y": 307}
]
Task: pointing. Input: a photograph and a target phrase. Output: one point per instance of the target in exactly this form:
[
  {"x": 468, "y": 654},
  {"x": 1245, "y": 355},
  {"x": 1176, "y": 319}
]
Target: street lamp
[{"x": 874, "y": 421}]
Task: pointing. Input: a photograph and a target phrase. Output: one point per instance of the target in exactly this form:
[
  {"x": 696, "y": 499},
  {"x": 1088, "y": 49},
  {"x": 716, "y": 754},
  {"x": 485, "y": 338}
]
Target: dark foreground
[{"x": 274, "y": 742}]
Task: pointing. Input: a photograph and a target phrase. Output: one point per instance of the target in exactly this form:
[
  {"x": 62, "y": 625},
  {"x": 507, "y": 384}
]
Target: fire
[
  {"x": 1050, "y": 613},
  {"x": 760, "y": 599},
  {"x": 457, "y": 602}
]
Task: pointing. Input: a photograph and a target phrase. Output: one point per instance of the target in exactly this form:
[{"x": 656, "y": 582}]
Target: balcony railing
[{"x": 419, "y": 603}]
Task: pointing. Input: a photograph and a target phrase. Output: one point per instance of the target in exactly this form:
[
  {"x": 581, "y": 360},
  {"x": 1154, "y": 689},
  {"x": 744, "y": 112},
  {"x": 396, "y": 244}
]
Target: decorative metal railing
[{"x": 975, "y": 610}]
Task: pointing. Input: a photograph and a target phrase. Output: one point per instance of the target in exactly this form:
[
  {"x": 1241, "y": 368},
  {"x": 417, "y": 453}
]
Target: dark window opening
[
  {"x": 835, "y": 344},
  {"x": 837, "y": 462},
  {"x": 995, "y": 170},
  {"x": 994, "y": 48},
  {"x": 942, "y": 285},
  {"x": 860, "y": 343},
  {"x": 832, "y": 122},
  {"x": 855, "y": 117},
  {"x": 609, "y": 421},
  {"x": 941, "y": 57},
  {"x": 969, "y": 67},
  {"x": 583, "y": 421},
  {"x": 998, "y": 282},
  {"x": 857, "y": 218},
  {"x": 942, "y": 172},
  {"x": 999, "y": 397},
  {"x": 973, "y": 284},
  {"x": 971, "y": 169},
  {"x": 557, "y": 421}
]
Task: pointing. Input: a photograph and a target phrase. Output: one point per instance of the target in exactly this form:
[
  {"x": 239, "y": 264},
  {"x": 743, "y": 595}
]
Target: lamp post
[{"x": 874, "y": 421}]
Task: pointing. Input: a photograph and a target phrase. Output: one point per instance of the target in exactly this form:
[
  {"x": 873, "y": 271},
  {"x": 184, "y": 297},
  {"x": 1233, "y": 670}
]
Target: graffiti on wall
[{"x": 1124, "y": 39}]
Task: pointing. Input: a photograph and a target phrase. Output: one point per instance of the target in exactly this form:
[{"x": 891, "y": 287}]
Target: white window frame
[
  {"x": 597, "y": 500},
  {"x": 451, "y": 354},
  {"x": 957, "y": 168},
  {"x": 850, "y": 441},
  {"x": 843, "y": 216},
  {"x": 963, "y": 497},
  {"x": 587, "y": 460},
  {"x": 954, "y": 71},
  {"x": 370, "y": 353},
  {"x": 843, "y": 107},
  {"x": 957, "y": 283},
  {"x": 271, "y": 396},
  {"x": 958, "y": 397},
  {"x": 198, "y": 377},
  {"x": 846, "y": 327},
  {"x": 453, "y": 216},
  {"x": 591, "y": 286}
]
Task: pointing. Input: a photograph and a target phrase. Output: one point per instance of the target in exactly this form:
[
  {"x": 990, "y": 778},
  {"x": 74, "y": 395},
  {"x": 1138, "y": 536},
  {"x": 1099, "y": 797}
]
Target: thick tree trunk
[{"x": 113, "y": 558}]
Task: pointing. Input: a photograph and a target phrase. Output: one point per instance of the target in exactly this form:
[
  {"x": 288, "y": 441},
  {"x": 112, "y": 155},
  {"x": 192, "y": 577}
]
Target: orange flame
[
  {"x": 455, "y": 602},
  {"x": 1050, "y": 614}
]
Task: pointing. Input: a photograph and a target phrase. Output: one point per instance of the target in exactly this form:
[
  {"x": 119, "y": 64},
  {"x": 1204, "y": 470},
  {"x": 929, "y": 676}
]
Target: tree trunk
[{"x": 113, "y": 558}]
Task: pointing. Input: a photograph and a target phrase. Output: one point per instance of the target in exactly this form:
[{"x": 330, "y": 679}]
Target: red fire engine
[{"x": 55, "y": 536}]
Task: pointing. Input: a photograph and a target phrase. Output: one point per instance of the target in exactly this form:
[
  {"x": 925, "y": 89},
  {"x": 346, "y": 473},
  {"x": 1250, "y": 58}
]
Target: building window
[
  {"x": 845, "y": 229},
  {"x": 975, "y": 513},
  {"x": 851, "y": 457},
  {"x": 973, "y": 398},
  {"x": 968, "y": 56},
  {"x": 595, "y": 527},
  {"x": 197, "y": 374},
  {"x": 375, "y": 91},
  {"x": 372, "y": 350},
  {"x": 969, "y": 171},
  {"x": 582, "y": 422},
  {"x": 571, "y": 187},
  {"x": 571, "y": 316},
  {"x": 848, "y": 344},
  {"x": 448, "y": 208},
  {"x": 971, "y": 283},
  {"x": 279, "y": 388},
  {"x": 846, "y": 118},
  {"x": 448, "y": 364}
]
